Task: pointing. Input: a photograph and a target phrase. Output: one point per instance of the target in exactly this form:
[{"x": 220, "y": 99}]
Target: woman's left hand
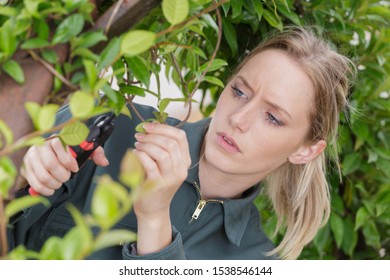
[{"x": 164, "y": 153}]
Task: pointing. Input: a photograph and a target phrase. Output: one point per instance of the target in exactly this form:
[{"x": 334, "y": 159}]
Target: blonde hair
[{"x": 300, "y": 193}]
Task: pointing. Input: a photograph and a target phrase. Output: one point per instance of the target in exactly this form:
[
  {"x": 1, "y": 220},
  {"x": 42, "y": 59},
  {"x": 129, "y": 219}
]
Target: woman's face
[{"x": 261, "y": 118}]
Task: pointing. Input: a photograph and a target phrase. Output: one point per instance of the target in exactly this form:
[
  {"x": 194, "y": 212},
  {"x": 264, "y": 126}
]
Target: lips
[{"x": 227, "y": 143}]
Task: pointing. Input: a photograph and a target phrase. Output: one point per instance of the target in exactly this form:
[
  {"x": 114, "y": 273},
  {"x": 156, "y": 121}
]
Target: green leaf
[
  {"x": 84, "y": 231},
  {"x": 140, "y": 128},
  {"x": 114, "y": 237},
  {"x": 74, "y": 245},
  {"x": 322, "y": 238},
  {"x": 89, "y": 39},
  {"x": 362, "y": 217},
  {"x": 136, "y": 42},
  {"x": 337, "y": 204},
  {"x": 81, "y": 104},
  {"x": 85, "y": 53},
  {"x": 272, "y": 19},
  {"x": 230, "y": 35},
  {"x": 337, "y": 226},
  {"x": 8, "y": 11},
  {"x": 5, "y": 133},
  {"x": 8, "y": 42},
  {"x": 42, "y": 29},
  {"x": 50, "y": 56},
  {"x": 51, "y": 249},
  {"x": 34, "y": 43},
  {"x": 110, "y": 53},
  {"x": 32, "y": 7},
  {"x": 91, "y": 73},
  {"x": 139, "y": 69},
  {"x": 236, "y": 8},
  {"x": 12, "y": 68},
  {"x": 289, "y": 14},
  {"x": 350, "y": 237},
  {"x": 74, "y": 134},
  {"x": 133, "y": 90},
  {"x": 7, "y": 175},
  {"x": 33, "y": 109},
  {"x": 110, "y": 93},
  {"x": 371, "y": 234},
  {"x": 47, "y": 116},
  {"x": 175, "y": 11},
  {"x": 215, "y": 65},
  {"x": 17, "y": 205},
  {"x": 69, "y": 28},
  {"x": 214, "y": 80},
  {"x": 105, "y": 206},
  {"x": 351, "y": 163},
  {"x": 131, "y": 171},
  {"x": 258, "y": 8}
]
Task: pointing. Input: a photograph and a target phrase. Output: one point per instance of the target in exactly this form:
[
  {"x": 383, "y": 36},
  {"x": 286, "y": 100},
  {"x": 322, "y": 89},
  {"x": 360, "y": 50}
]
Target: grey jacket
[{"x": 222, "y": 229}]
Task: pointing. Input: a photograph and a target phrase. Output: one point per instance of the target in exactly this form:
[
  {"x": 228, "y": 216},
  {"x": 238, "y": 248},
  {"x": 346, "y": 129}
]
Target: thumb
[{"x": 99, "y": 157}]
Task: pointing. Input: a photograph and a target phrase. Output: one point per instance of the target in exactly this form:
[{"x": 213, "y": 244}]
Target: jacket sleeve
[{"x": 174, "y": 251}]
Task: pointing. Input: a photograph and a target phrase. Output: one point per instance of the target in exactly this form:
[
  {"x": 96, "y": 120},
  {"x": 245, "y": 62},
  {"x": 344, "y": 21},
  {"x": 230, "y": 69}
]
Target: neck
[{"x": 218, "y": 184}]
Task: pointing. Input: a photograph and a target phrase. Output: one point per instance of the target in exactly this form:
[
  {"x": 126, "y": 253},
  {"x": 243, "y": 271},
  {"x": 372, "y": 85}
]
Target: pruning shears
[{"x": 99, "y": 132}]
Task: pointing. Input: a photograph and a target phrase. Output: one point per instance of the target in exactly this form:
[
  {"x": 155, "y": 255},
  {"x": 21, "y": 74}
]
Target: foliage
[{"x": 200, "y": 50}]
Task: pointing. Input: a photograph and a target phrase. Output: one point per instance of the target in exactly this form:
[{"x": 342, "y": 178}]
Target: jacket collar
[{"x": 236, "y": 211}]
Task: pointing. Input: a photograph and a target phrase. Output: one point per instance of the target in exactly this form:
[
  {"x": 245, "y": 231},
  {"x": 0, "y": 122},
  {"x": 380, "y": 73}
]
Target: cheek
[{"x": 271, "y": 146}]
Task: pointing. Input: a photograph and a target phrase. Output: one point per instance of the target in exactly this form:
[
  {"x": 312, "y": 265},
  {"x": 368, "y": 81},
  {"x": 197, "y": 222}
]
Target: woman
[{"x": 272, "y": 124}]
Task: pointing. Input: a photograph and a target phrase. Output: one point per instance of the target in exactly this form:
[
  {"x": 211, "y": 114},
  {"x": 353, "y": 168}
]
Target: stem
[
  {"x": 130, "y": 102},
  {"x": 189, "y": 103},
  {"x": 52, "y": 70},
  {"x": 19, "y": 143},
  {"x": 177, "y": 68}
]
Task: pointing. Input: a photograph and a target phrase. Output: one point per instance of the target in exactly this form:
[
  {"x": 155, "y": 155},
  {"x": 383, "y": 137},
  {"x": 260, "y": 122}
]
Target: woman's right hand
[{"x": 46, "y": 167}]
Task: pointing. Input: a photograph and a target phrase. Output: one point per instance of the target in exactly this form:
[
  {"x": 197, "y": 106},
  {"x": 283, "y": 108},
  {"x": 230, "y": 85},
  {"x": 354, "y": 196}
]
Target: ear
[{"x": 307, "y": 154}]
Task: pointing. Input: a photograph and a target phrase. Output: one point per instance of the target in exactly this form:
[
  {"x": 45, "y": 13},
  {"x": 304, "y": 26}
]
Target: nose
[{"x": 243, "y": 118}]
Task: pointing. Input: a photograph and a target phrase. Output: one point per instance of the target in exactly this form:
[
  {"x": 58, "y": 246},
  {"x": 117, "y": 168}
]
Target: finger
[
  {"x": 172, "y": 132},
  {"x": 99, "y": 157},
  {"x": 45, "y": 176},
  {"x": 35, "y": 183},
  {"x": 161, "y": 157},
  {"x": 64, "y": 156},
  {"x": 149, "y": 165},
  {"x": 50, "y": 167},
  {"x": 170, "y": 145}
]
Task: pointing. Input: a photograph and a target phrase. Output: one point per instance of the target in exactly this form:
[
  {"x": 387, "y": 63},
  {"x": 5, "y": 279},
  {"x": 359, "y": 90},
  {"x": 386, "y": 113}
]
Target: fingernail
[
  {"x": 139, "y": 136},
  {"x": 136, "y": 144}
]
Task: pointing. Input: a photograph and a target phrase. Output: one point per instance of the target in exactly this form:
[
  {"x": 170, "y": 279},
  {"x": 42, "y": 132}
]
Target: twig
[
  {"x": 130, "y": 102},
  {"x": 19, "y": 143},
  {"x": 52, "y": 70},
  {"x": 177, "y": 68},
  {"x": 112, "y": 16},
  {"x": 188, "y": 102}
]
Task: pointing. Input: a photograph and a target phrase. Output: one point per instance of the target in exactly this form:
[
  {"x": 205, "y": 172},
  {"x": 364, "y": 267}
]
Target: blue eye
[
  {"x": 273, "y": 120},
  {"x": 238, "y": 93}
]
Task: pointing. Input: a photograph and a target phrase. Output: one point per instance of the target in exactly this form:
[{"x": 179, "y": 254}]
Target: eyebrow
[
  {"x": 277, "y": 107},
  {"x": 270, "y": 103}
]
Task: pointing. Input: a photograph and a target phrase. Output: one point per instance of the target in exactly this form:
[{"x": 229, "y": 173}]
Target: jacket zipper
[{"x": 201, "y": 203}]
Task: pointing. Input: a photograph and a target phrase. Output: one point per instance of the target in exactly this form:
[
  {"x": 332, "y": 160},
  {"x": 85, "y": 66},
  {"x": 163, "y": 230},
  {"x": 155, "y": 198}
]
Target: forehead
[{"x": 278, "y": 78}]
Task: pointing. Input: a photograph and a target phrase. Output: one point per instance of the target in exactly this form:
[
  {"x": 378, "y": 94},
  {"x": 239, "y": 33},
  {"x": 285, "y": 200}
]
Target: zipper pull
[{"x": 198, "y": 209}]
